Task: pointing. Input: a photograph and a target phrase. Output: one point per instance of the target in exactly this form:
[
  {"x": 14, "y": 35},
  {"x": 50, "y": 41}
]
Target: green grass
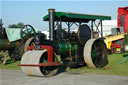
[
  {"x": 10, "y": 64},
  {"x": 113, "y": 67}
]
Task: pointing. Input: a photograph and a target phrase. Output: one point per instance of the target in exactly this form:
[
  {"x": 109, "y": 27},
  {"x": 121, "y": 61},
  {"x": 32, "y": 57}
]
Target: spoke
[
  {"x": 96, "y": 60},
  {"x": 27, "y": 30},
  {"x": 2, "y": 58},
  {"x": 31, "y": 31}
]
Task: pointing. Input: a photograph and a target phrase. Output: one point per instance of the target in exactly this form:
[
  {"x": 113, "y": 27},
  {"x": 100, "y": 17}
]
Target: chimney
[{"x": 51, "y": 23}]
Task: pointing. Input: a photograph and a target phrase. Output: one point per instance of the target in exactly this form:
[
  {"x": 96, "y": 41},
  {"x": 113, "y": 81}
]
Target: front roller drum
[
  {"x": 31, "y": 64},
  {"x": 95, "y": 53}
]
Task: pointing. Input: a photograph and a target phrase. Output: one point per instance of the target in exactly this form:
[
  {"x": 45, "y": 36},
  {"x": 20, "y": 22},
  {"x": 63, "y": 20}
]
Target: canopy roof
[{"x": 76, "y": 17}]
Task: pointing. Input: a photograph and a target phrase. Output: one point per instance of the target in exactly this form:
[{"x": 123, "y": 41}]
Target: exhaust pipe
[{"x": 51, "y": 23}]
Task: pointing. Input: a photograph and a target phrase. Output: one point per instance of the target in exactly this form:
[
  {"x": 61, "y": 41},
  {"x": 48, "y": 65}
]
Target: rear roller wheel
[
  {"x": 95, "y": 53},
  {"x": 35, "y": 58},
  {"x": 3, "y": 58}
]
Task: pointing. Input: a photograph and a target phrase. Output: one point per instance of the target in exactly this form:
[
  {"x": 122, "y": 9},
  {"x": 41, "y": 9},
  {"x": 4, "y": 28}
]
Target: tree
[
  {"x": 12, "y": 26},
  {"x": 18, "y": 25}
]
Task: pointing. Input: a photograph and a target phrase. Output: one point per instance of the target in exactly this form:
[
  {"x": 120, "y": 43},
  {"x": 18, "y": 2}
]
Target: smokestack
[{"x": 51, "y": 23}]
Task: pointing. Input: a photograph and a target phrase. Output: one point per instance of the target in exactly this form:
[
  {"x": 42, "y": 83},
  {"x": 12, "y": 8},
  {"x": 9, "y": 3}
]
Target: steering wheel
[{"x": 26, "y": 32}]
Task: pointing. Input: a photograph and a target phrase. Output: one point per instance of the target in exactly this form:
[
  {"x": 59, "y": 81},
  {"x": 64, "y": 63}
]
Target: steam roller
[
  {"x": 44, "y": 62},
  {"x": 11, "y": 45},
  {"x": 45, "y": 57}
]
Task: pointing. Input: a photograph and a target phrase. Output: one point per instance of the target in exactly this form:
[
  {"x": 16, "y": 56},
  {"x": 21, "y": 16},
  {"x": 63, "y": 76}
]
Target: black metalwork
[
  {"x": 84, "y": 33},
  {"x": 91, "y": 29},
  {"x": 97, "y": 27},
  {"x": 101, "y": 28},
  {"x": 51, "y": 23}
]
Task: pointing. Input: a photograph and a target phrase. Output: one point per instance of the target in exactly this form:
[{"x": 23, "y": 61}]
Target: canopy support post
[
  {"x": 101, "y": 28},
  {"x": 91, "y": 29}
]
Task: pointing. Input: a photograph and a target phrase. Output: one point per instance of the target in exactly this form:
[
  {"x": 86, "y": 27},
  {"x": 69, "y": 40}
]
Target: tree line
[{"x": 18, "y": 25}]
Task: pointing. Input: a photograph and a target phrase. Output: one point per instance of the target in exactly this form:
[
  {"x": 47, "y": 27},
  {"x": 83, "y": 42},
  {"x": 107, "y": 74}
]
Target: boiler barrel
[
  {"x": 65, "y": 48},
  {"x": 6, "y": 45}
]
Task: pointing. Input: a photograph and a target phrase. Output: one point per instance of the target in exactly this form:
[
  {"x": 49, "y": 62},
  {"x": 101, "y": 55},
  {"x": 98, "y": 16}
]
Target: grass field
[
  {"x": 10, "y": 64},
  {"x": 113, "y": 68}
]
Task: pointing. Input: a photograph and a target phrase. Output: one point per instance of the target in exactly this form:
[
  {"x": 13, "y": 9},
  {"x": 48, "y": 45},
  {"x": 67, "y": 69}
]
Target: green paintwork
[
  {"x": 44, "y": 68},
  {"x": 3, "y": 43},
  {"x": 6, "y": 45},
  {"x": 65, "y": 48},
  {"x": 126, "y": 39},
  {"x": 76, "y": 17},
  {"x": 94, "y": 52}
]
